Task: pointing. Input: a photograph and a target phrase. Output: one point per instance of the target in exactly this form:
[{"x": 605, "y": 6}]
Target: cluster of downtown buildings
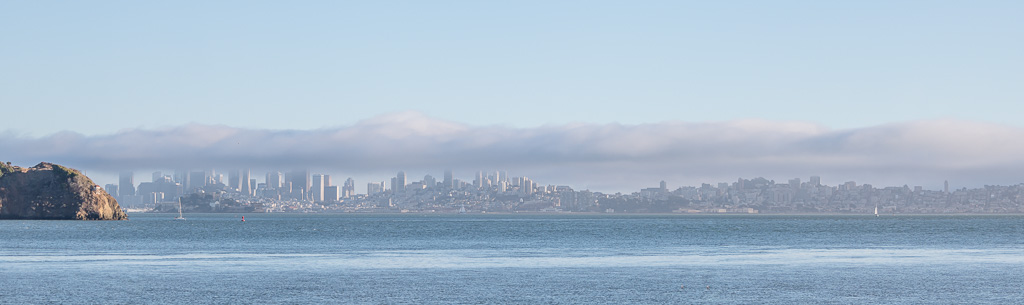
[{"x": 301, "y": 191}]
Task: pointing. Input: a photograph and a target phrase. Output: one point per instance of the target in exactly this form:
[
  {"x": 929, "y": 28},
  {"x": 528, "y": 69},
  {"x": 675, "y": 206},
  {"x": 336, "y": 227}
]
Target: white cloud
[{"x": 598, "y": 156}]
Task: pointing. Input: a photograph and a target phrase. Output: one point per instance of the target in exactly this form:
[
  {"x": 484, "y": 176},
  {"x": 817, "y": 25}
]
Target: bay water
[{"x": 514, "y": 258}]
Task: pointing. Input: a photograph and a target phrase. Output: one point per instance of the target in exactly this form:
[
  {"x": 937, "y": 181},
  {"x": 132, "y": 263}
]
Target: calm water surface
[{"x": 485, "y": 259}]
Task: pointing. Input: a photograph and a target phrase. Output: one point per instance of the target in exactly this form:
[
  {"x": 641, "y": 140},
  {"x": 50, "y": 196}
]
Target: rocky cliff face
[{"x": 50, "y": 191}]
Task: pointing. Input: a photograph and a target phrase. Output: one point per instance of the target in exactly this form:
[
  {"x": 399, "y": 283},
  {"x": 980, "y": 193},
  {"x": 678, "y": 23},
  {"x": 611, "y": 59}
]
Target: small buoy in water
[
  {"x": 682, "y": 286},
  {"x": 243, "y": 218},
  {"x": 708, "y": 287}
]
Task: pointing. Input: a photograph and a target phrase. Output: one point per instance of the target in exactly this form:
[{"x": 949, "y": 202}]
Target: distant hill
[{"x": 51, "y": 191}]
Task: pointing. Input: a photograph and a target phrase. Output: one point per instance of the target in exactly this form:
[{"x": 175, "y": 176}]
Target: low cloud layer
[{"x": 607, "y": 157}]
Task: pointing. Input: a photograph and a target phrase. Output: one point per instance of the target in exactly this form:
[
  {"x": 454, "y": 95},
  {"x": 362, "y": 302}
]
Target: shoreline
[{"x": 594, "y": 214}]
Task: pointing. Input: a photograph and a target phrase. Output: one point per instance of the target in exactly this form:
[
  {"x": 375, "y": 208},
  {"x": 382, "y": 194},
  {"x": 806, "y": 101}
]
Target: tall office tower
[
  {"x": 300, "y": 182},
  {"x": 497, "y": 178},
  {"x": 349, "y": 189},
  {"x": 449, "y": 181},
  {"x": 400, "y": 182},
  {"x": 527, "y": 186},
  {"x": 946, "y": 189},
  {"x": 327, "y": 180},
  {"x": 332, "y": 193},
  {"x": 316, "y": 189},
  {"x": 111, "y": 189},
  {"x": 794, "y": 183},
  {"x": 235, "y": 180},
  {"x": 429, "y": 181},
  {"x": 197, "y": 181},
  {"x": 274, "y": 180},
  {"x": 394, "y": 181},
  {"x": 815, "y": 181},
  {"x": 157, "y": 176},
  {"x": 181, "y": 176},
  {"x": 664, "y": 186},
  {"x": 126, "y": 185},
  {"x": 373, "y": 188},
  {"x": 246, "y": 183},
  {"x": 504, "y": 177},
  {"x": 479, "y": 181},
  {"x": 214, "y": 178}
]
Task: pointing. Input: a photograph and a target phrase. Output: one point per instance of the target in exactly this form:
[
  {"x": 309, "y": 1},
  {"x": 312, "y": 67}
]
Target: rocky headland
[{"x": 51, "y": 191}]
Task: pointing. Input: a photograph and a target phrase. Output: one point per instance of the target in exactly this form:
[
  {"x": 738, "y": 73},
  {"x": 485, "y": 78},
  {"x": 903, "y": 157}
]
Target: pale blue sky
[{"x": 96, "y": 67}]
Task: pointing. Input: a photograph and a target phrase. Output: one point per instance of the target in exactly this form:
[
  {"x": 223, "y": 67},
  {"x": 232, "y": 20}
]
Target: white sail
[{"x": 180, "y": 216}]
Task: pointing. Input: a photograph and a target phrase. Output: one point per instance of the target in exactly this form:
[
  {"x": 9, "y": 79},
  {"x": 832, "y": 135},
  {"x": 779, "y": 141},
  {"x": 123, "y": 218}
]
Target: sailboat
[
  {"x": 180, "y": 217},
  {"x": 876, "y": 210}
]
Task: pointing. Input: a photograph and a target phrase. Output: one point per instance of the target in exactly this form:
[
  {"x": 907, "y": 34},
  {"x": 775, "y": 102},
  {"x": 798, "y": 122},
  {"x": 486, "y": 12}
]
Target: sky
[{"x": 606, "y": 95}]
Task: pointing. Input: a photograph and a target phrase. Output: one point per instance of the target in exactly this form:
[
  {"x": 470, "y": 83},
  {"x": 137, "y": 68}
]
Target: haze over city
[{"x": 596, "y": 95}]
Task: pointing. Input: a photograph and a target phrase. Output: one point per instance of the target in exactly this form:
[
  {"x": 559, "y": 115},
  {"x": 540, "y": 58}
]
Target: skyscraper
[
  {"x": 429, "y": 181},
  {"x": 126, "y": 184},
  {"x": 234, "y": 180},
  {"x": 182, "y": 176},
  {"x": 526, "y": 186},
  {"x": 197, "y": 181},
  {"x": 373, "y": 188},
  {"x": 449, "y": 181},
  {"x": 300, "y": 182},
  {"x": 274, "y": 180},
  {"x": 244, "y": 183},
  {"x": 111, "y": 189},
  {"x": 331, "y": 193},
  {"x": 400, "y": 182},
  {"x": 349, "y": 189},
  {"x": 316, "y": 189}
]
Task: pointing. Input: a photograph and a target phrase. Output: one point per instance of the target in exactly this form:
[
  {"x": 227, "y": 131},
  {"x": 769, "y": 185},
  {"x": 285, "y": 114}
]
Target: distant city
[{"x": 496, "y": 192}]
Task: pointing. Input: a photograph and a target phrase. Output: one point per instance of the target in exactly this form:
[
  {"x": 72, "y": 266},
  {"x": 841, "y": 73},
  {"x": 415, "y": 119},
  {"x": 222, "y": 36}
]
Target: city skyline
[
  {"x": 304, "y": 191},
  {"x": 609, "y": 157},
  {"x": 401, "y": 181}
]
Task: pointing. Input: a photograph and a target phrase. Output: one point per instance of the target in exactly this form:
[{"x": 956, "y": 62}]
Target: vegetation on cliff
[{"x": 50, "y": 191}]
